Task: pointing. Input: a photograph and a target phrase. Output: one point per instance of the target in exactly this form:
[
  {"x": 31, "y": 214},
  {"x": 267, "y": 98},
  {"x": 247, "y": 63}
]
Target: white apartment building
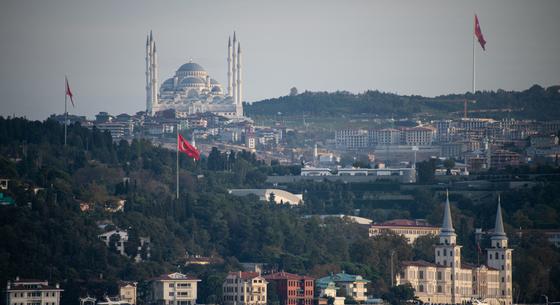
[
  {"x": 174, "y": 289},
  {"x": 351, "y": 138},
  {"x": 127, "y": 292},
  {"x": 244, "y": 288},
  {"x": 410, "y": 229},
  {"x": 32, "y": 292}
]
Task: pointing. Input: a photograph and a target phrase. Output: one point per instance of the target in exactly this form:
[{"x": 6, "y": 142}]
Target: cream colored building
[
  {"x": 449, "y": 281},
  {"x": 244, "y": 288},
  {"x": 410, "y": 229},
  {"x": 353, "y": 286},
  {"x": 32, "y": 292},
  {"x": 127, "y": 292},
  {"x": 174, "y": 289}
]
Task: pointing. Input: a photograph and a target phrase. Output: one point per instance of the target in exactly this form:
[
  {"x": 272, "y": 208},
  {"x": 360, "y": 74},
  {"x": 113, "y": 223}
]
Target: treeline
[
  {"x": 46, "y": 235},
  {"x": 534, "y": 103}
]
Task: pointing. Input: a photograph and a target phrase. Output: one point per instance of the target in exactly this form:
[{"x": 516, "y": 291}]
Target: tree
[
  {"x": 398, "y": 295},
  {"x": 426, "y": 171},
  {"x": 293, "y": 91},
  {"x": 449, "y": 164}
]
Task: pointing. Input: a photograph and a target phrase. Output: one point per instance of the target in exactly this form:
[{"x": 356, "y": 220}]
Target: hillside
[
  {"x": 45, "y": 234},
  {"x": 534, "y": 103}
]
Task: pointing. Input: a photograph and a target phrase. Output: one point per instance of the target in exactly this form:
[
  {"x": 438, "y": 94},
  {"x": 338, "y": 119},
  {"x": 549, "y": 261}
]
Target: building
[
  {"x": 292, "y": 289},
  {"x": 244, "y": 288},
  {"x": 191, "y": 90},
  {"x": 174, "y": 289},
  {"x": 118, "y": 238},
  {"x": 127, "y": 292},
  {"x": 417, "y": 136},
  {"x": 279, "y": 196},
  {"x": 410, "y": 229},
  {"x": 500, "y": 159},
  {"x": 327, "y": 290},
  {"x": 353, "y": 286},
  {"x": 32, "y": 292},
  {"x": 351, "y": 139},
  {"x": 450, "y": 281}
]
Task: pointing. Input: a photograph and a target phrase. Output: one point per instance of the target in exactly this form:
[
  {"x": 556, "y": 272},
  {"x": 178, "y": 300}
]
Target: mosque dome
[
  {"x": 191, "y": 66},
  {"x": 192, "y": 81},
  {"x": 167, "y": 84},
  {"x": 216, "y": 89}
]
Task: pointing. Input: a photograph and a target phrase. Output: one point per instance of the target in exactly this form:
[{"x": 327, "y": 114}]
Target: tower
[
  {"x": 151, "y": 74},
  {"x": 499, "y": 257},
  {"x": 229, "y": 72},
  {"x": 148, "y": 75},
  {"x": 234, "y": 71},
  {"x": 239, "y": 98},
  {"x": 448, "y": 253}
]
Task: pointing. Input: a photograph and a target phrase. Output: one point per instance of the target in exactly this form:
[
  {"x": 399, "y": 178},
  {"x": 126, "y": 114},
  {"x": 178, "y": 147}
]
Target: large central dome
[{"x": 191, "y": 66}]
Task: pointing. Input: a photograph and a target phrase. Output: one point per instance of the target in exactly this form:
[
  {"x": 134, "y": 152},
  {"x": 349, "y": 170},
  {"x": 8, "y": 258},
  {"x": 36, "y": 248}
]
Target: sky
[{"x": 404, "y": 47}]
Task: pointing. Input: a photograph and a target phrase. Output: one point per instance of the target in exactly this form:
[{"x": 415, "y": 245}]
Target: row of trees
[{"x": 533, "y": 103}]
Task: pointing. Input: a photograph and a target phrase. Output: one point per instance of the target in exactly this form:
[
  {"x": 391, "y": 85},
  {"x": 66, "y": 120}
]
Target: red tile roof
[{"x": 246, "y": 275}]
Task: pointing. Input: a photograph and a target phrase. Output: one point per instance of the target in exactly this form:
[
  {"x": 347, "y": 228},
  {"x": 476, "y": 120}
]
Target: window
[
  {"x": 421, "y": 288},
  {"x": 439, "y": 278},
  {"x": 437, "y": 252},
  {"x": 170, "y": 285},
  {"x": 439, "y": 290},
  {"x": 502, "y": 256},
  {"x": 172, "y": 294},
  {"x": 421, "y": 274},
  {"x": 444, "y": 252},
  {"x": 502, "y": 279}
]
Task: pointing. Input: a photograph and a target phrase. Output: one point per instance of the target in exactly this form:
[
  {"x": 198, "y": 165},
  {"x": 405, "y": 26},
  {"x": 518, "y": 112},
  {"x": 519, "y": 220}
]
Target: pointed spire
[
  {"x": 234, "y": 39},
  {"x": 151, "y": 36},
  {"x": 147, "y": 40},
  {"x": 447, "y": 222},
  {"x": 229, "y": 42},
  {"x": 499, "y": 227},
  {"x": 239, "y": 47}
]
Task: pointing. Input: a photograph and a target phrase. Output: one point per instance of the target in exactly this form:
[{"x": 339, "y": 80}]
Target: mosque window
[{"x": 502, "y": 256}]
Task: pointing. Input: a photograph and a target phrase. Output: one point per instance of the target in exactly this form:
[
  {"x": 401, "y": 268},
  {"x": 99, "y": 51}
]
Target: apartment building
[{"x": 244, "y": 288}]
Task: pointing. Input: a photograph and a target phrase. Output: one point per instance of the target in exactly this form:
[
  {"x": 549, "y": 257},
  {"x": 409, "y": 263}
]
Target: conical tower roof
[
  {"x": 447, "y": 226},
  {"x": 499, "y": 231}
]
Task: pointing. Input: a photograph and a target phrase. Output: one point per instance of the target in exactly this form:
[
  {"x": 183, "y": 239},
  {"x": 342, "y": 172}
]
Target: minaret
[
  {"x": 239, "y": 105},
  {"x": 155, "y": 89},
  {"x": 499, "y": 257},
  {"x": 448, "y": 253},
  {"x": 148, "y": 76},
  {"x": 234, "y": 71},
  {"x": 229, "y": 67}
]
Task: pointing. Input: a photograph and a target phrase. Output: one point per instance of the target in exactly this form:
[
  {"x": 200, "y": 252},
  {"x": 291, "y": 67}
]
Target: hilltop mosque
[{"x": 191, "y": 90}]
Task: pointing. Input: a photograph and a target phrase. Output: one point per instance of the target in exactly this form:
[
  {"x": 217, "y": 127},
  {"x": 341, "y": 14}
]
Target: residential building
[
  {"x": 450, "y": 281},
  {"x": 279, "y": 196},
  {"x": 327, "y": 290},
  {"x": 174, "y": 289},
  {"x": 500, "y": 159},
  {"x": 292, "y": 289},
  {"x": 353, "y": 286},
  {"x": 410, "y": 229},
  {"x": 32, "y": 292},
  {"x": 244, "y": 288},
  {"x": 127, "y": 292},
  {"x": 351, "y": 138}
]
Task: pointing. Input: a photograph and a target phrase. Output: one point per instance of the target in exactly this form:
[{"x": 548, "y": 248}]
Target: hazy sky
[{"x": 406, "y": 47}]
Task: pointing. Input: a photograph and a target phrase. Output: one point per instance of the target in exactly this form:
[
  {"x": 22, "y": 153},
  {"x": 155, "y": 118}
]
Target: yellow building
[
  {"x": 410, "y": 229},
  {"x": 244, "y": 288},
  {"x": 449, "y": 281}
]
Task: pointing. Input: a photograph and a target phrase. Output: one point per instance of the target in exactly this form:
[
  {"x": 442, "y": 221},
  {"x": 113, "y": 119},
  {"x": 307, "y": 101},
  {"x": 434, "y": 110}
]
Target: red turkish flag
[
  {"x": 185, "y": 147},
  {"x": 478, "y": 33},
  {"x": 69, "y": 93}
]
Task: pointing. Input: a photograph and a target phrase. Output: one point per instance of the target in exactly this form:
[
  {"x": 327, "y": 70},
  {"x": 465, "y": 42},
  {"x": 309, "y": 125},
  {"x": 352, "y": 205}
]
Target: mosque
[{"x": 191, "y": 89}]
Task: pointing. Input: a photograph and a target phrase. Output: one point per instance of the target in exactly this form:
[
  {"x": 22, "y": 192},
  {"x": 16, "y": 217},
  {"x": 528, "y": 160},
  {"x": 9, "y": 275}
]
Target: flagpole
[
  {"x": 177, "y": 149},
  {"x": 65, "y": 110},
  {"x": 473, "y": 61}
]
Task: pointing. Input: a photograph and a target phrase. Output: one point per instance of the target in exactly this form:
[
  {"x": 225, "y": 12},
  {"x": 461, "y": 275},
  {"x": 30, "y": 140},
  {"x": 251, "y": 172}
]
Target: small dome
[
  {"x": 191, "y": 66},
  {"x": 216, "y": 89},
  {"x": 192, "y": 81},
  {"x": 167, "y": 84}
]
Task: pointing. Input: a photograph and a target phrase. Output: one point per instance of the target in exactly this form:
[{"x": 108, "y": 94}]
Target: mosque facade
[{"x": 192, "y": 90}]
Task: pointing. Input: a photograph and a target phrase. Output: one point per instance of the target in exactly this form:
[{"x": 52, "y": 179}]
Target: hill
[
  {"x": 534, "y": 103},
  {"x": 46, "y": 233}
]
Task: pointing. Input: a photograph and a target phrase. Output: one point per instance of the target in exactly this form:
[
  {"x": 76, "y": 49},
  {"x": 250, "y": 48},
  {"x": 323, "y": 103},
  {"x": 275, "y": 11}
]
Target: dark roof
[
  {"x": 404, "y": 223},
  {"x": 287, "y": 276},
  {"x": 420, "y": 263}
]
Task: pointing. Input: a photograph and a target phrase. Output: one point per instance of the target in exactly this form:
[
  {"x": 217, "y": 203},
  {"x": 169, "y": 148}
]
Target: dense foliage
[
  {"x": 46, "y": 235},
  {"x": 533, "y": 103}
]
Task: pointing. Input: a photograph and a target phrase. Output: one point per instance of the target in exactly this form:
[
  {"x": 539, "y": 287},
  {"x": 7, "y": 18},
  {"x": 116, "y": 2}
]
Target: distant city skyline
[{"x": 422, "y": 48}]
